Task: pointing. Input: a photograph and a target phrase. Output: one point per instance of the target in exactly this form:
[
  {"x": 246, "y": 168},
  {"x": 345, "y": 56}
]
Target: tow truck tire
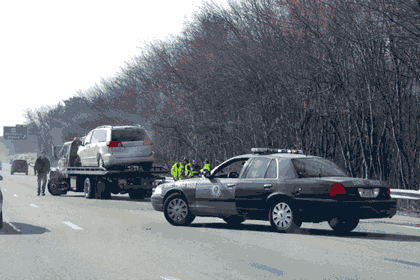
[
  {"x": 136, "y": 194},
  {"x": 89, "y": 187},
  {"x": 53, "y": 188},
  {"x": 102, "y": 190},
  {"x": 176, "y": 210}
]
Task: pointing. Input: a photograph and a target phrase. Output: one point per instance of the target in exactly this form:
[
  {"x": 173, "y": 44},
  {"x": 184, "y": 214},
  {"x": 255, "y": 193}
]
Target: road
[{"x": 70, "y": 237}]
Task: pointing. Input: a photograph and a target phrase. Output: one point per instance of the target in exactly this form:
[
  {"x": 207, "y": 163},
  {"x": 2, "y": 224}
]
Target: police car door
[
  {"x": 255, "y": 185},
  {"x": 216, "y": 196}
]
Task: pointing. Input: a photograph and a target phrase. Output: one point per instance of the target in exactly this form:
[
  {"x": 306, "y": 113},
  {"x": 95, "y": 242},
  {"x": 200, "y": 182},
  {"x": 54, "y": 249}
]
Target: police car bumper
[{"x": 157, "y": 202}]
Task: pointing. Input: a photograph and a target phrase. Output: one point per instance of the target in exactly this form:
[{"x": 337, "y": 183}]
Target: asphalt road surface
[{"x": 70, "y": 237}]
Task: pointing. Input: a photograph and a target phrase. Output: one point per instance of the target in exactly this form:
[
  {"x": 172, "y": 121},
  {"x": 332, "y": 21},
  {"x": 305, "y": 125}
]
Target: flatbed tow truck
[{"x": 98, "y": 182}]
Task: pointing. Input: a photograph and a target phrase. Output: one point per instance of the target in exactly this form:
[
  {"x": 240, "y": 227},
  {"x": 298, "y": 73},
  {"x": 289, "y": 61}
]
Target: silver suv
[{"x": 117, "y": 146}]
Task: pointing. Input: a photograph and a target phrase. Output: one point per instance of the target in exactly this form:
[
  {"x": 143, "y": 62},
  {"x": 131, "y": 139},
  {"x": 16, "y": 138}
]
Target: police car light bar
[{"x": 270, "y": 150}]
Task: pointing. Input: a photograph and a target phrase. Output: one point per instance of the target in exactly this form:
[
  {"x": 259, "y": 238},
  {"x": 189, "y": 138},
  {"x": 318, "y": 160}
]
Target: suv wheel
[{"x": 282, "y": 217}]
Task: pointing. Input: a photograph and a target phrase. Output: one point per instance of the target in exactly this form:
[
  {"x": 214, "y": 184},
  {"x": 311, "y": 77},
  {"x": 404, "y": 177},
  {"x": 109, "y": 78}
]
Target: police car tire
[
  {"x": 234, "y": 220},
  {"x": 343, "y": 225},
  {"x": 287, "y": 225},
  {"x": 177, "y": 199}
]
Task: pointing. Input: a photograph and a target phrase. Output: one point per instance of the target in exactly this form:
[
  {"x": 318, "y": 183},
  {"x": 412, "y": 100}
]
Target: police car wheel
[
  {"x": 177, "y": 212},
  {"x": 282, "y": 217},
  {"x": 342, "y": 225},
  {"x": 234, "y": 220}
]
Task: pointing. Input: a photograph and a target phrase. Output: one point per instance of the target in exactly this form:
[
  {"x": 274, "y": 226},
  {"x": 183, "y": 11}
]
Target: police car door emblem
[{"x": 215, "y": 191}]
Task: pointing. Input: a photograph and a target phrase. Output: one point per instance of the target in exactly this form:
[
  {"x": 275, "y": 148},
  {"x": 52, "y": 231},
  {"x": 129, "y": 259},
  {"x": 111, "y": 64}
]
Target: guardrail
[{"x": 405, "y": 194}]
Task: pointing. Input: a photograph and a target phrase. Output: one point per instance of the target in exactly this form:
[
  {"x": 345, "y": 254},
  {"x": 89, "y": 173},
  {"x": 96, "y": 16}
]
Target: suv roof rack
[{"x": 268, "y": 151}]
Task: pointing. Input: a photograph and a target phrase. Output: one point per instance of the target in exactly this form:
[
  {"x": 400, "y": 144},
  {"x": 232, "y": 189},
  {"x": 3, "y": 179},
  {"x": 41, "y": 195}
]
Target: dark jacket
[{"x": 42, "y": 165}]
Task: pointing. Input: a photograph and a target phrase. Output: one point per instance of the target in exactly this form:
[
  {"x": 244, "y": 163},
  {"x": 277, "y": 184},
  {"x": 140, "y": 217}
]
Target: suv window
[
  {"x": 316, "y": 167},
  {"x": 64, "y": 151},
  {"x": 258, "y": 168},
  {"x": 131, "y": 134},
  {"x": 98, "y": 136}
]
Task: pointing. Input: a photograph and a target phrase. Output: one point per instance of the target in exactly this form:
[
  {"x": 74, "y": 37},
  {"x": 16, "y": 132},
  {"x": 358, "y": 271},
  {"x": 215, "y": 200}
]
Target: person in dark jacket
[
  {"x": 195, "y": 168},
  {"x": 42, "y": 167}
]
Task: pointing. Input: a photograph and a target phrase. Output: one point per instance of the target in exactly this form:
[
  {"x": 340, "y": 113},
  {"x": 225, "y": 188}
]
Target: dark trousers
[{"x": 42, "y": 177}]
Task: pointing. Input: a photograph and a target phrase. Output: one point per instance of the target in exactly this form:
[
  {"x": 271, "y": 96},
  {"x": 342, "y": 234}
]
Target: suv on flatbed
[
  {"x": 117, "y": 146},
  {"x": 282, "y": 186}
]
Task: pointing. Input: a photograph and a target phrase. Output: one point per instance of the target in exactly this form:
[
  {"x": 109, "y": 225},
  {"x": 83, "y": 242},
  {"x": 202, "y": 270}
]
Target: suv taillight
[
  {"x": 337, "y": 189},
  {"x": 148, "y": 142},
  {"x": 114, "y": 144}
]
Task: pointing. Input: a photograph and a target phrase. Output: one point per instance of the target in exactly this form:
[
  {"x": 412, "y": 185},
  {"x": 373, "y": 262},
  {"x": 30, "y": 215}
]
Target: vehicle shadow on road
[
  {"x": 22, "y": 228},
  {"x": 311, "y": 231},
  {"x": 120, "y": 198}
]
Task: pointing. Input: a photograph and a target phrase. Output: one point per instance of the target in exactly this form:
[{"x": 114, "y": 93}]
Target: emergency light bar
[{"x": 273, "y": 151}]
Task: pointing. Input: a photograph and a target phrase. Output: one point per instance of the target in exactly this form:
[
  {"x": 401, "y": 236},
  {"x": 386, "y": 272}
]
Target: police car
[{"x": 283, "y": 186}]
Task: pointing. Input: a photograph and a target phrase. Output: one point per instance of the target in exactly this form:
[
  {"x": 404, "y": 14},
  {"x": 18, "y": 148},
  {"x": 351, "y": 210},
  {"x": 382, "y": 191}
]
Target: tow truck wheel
[
  {"x": 177, "y": 212},
  {"x": 136, "y": 194},
  {"x": 89, "y": 188},
  {"x": 53, "y": 188}
]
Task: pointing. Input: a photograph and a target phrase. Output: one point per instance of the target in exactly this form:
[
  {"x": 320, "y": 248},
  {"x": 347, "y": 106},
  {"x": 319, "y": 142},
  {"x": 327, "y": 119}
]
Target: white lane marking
[
  {"x": 16, "y": 195},
  {"x": 33, "y": 205},
  {"x": 4, "y": 189},
  {"x": 169, "y": 278},
  {"x": 72, "y": 225},
  {"x": 13, "y": 226},
  {"x": 406, "y": 226}
]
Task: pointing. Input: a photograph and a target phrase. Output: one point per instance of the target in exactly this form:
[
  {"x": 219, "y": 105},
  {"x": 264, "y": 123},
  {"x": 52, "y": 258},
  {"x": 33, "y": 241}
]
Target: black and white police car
[{"x": 283, "y": 186}]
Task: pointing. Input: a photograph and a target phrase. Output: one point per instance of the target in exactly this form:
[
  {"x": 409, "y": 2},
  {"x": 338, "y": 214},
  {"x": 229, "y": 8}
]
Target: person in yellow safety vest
[
  {"x": 206, "y": 166},
  {"x": 176, "y": 171},
  {"x": 187, "y": 171},
  {"x": 195, "y": 168}
]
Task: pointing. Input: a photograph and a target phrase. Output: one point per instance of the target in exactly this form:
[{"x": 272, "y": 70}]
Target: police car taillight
[
  {"x": 337, "y": 189},
  {"x": 114, "y": 144},
  {"x": 388, "y": 191}
]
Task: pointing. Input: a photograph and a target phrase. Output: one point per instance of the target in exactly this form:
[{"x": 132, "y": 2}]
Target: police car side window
[
  {"x": 272, "y": 170},
  {"x": 286, "y": 169},
  {"x": 258, "y": 168}
]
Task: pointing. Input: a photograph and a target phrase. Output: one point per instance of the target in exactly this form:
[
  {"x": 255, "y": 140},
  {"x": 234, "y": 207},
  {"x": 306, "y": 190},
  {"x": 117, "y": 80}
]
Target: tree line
[{"x": 337, "y": 78}]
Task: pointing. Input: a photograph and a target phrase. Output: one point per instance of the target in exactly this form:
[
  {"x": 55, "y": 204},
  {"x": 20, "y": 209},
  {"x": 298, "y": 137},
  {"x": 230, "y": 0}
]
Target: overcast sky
[{"x": 51, "y": 49}]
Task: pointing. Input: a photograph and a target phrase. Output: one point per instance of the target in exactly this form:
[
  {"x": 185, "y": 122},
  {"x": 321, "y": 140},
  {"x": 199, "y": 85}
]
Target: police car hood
[{"x": 181, "y": 183}]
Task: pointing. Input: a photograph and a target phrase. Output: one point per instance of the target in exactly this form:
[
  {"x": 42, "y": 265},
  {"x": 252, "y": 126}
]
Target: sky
[{"x": 51, "y": 49}]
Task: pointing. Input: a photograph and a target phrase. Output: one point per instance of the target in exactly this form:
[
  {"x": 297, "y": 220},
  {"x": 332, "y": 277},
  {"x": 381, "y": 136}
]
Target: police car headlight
[{"x": 158, "y": 190}]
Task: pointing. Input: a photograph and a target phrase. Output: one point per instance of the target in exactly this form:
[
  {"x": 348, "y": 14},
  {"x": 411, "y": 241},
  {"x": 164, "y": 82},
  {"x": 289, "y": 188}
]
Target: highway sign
[{"x": 20, "y": 132}]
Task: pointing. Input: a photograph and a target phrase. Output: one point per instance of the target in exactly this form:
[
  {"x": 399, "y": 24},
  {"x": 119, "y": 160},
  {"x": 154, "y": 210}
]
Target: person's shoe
[
  {"x": 43, "y": 194},
  {"x": 38, "y": 194}
]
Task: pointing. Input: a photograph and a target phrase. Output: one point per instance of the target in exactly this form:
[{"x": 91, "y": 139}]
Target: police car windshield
[{"x": 316, "y": 167}]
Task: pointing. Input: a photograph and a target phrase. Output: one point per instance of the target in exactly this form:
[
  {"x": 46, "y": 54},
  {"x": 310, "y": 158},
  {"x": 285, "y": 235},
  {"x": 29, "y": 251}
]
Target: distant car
[
  {"x": 1, "y": 206},
  {"x": 19, "y": 165},
  {"x": 116, "y": 146},
  {"x": 282, "y": 186}
]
